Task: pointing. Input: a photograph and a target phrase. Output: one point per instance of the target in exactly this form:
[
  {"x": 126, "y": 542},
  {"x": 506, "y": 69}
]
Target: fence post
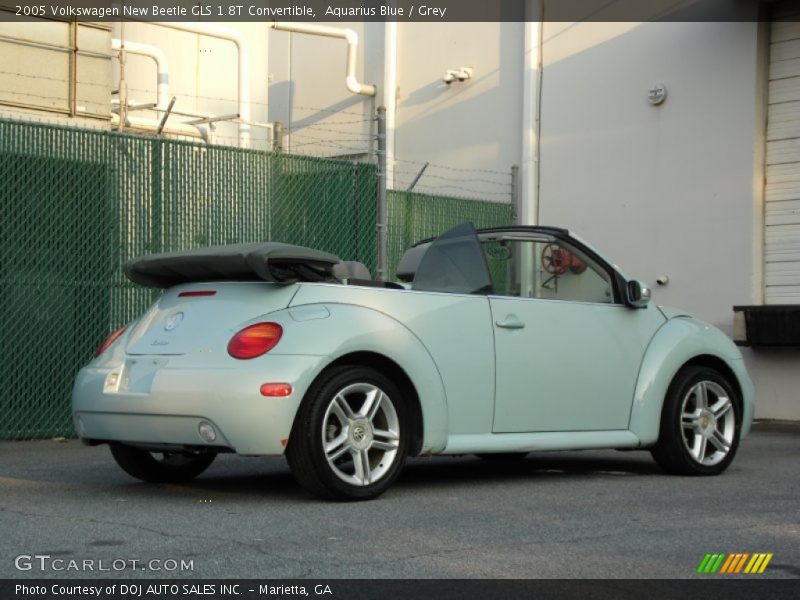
[
  {"x": 383, "y": 212},
  {"x": 277, "y": 136},
  {"x": 516, "y": 197}
]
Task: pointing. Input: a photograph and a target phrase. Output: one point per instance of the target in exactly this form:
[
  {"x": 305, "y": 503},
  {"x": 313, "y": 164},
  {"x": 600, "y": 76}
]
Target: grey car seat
[
  {"x": 351, "y": 269},
  {"x": 356, "y": 273},
  {"x": 408, "y": 265}
]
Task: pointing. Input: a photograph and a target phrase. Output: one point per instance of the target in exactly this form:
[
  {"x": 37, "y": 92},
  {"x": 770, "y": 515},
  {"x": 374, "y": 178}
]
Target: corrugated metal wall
[
  {"x": 782, "y": 217},
  {"x": 56, "y": 66}
]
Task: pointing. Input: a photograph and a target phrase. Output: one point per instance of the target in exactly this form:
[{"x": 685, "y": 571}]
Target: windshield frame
[{"x": 539, "y": 232}]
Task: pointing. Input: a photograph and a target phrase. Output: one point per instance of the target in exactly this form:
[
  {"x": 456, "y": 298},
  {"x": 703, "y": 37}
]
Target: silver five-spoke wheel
[
  {"x": 360, "y": 434},
  {"x": 351, "y": 434},
  {"x": 708, "y": 422},
  {"x": 700, "y": 423}
]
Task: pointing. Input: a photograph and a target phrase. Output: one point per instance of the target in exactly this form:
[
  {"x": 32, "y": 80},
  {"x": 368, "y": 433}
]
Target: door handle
[{"x": 510, "y": 322}]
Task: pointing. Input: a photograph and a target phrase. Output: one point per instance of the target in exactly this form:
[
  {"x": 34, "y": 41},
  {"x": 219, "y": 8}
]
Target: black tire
[
  {"x": 305, "y": 452},
  {"x": 171, "y": 467},
  {"x": 671, "y": 451},
  {"x": 503, "y": 456}
]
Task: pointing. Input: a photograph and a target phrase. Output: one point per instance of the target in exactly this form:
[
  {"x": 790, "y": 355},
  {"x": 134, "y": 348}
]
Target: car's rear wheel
[
  {"x": 700, "y": 424},
  {"x": 161, "y": 467},
  {"x": 350, "y": 436}
]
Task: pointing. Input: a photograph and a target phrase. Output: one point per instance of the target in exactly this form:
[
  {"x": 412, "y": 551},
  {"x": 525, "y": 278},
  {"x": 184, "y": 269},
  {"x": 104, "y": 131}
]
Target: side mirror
[{"x": 638, "y": 294}]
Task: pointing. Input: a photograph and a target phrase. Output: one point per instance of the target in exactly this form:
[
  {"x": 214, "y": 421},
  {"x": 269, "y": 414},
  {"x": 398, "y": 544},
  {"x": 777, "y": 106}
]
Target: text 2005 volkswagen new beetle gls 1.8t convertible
[{"x": 495, "y": 342}]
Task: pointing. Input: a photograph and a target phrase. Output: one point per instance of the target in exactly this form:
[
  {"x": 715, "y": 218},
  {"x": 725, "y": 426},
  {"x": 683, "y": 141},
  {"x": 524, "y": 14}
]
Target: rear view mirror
[{"x": 638, "y": 294}]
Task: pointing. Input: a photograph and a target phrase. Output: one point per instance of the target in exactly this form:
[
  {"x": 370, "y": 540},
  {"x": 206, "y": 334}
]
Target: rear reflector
[
  {"x": 197, "y": 293},
  {"x": 110, "y": 340},
  {"x": 207, "y": 431},
  {"x": 255, "y": 340},
  {"x": 276, "y": 390}
]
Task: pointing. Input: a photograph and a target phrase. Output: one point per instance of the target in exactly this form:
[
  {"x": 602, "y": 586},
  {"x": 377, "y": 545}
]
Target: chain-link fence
[{"x": 75, "y": 204}]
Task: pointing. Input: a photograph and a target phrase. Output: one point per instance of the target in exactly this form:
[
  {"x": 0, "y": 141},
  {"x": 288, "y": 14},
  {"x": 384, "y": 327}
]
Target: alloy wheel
[
  {"x": 707, "y": 422},
  {"x": 360, "y": 434}
]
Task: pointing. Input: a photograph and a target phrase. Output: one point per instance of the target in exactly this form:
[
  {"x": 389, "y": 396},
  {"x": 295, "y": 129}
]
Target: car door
[{"x": 567, "y": 349}]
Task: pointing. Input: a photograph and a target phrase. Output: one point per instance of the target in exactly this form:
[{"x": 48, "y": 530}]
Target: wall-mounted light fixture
[
  {"x": 657, "y": 94},
  {"x": 461, "y": 74}
]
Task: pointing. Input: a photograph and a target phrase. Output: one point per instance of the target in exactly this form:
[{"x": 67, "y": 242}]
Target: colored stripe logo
[{"x": 736, "y": 563}]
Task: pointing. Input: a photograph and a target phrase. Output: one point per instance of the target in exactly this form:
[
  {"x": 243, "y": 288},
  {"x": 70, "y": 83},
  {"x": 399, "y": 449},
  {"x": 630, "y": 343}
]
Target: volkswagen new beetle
[{"x": 495, "y": 342}]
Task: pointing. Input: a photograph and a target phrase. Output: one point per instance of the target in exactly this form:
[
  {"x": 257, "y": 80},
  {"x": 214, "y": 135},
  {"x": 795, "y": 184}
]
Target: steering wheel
[{"x": 555, "y": 259}]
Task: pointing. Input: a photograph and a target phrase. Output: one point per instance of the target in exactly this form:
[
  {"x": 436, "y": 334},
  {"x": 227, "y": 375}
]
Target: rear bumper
[{"x": 170, "y": 403}]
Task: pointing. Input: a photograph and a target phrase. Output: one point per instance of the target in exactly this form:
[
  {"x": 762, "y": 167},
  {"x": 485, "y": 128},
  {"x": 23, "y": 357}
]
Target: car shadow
[
  {"x": 470, "y": 470},
  {"x": 248, "y": 481}
]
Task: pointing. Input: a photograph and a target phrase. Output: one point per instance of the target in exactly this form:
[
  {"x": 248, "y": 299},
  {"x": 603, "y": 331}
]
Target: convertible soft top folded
[{"x": 267, "y": 261}]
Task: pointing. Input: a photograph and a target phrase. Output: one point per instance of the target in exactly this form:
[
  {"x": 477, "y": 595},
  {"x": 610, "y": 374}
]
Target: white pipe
[
  {"x": 162, "y": 67},
  {"x": 390, "y": 95},
  {"x": 531, "y": 113},
  {"x": 242, "y": 46},
  {"x": 351, "y": 81}
]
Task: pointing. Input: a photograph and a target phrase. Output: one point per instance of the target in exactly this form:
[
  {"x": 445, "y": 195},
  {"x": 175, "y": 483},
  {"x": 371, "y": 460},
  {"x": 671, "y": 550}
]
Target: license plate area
[{"x": 136, "y": 375}]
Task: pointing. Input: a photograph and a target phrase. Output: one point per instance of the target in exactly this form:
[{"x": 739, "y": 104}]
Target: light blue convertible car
[{"x": 495, "y": 342}]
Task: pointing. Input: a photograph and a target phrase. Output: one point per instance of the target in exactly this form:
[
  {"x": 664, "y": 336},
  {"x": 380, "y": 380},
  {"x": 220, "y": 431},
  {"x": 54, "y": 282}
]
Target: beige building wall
[
  {"x": 669, "y": 190},
  {"x": 673, "y": 190}
]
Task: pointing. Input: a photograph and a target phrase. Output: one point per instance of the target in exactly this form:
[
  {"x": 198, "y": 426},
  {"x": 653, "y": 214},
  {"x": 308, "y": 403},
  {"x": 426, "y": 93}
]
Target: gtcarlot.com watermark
[{"x": 47, "y": 563}]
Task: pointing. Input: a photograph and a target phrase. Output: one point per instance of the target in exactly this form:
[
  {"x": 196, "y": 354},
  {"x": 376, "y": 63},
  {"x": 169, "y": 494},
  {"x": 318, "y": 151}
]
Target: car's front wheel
[
  {"x": 350, "y": 436},
  {"x": 700, "y": 424},
  {"x": 161, "y": 467}
]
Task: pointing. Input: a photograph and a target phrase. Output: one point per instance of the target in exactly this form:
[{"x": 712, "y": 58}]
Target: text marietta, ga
[{"x": 136, "y": 590}]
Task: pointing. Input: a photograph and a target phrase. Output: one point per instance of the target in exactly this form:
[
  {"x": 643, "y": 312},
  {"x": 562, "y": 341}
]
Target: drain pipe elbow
[
  {"x": 354, "y": 86},
  {"x": 348, "y": 35}
]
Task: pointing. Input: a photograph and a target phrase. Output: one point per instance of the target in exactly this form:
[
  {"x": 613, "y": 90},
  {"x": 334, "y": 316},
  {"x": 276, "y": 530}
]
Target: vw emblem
[{"x": 173, "y": 321}]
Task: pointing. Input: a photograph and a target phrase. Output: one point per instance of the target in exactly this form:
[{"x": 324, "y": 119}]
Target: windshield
[{"x": 454, "y": 263}]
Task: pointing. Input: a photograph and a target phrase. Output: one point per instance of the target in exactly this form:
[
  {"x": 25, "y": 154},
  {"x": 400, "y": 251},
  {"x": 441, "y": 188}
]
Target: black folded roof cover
[{"x": 267, "y": 261}]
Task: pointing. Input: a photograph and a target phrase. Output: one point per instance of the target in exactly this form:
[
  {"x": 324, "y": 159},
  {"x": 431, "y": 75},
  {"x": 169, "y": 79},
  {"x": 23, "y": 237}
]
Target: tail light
[
  {"x": 110, "y": 340},
  {"x": 255, "y": 340}
]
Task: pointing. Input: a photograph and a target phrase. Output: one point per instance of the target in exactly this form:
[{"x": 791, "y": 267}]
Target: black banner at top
[{"x": 332, "y": 11}]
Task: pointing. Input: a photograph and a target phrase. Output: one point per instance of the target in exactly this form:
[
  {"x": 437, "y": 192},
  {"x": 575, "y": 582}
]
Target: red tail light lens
[
  {"x": 110, "y": 340},
  {"x": 255, "y": 340}
]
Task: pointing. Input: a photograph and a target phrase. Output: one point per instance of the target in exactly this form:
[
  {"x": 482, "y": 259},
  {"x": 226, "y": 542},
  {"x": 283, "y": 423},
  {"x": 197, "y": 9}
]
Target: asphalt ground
[{"x": 603, "y": 514}]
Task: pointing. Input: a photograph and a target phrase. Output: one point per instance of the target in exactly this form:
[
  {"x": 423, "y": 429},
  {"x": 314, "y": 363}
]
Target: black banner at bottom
[{"x": 391, "y": 589}]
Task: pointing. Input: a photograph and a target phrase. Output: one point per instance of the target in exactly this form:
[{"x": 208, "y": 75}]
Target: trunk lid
[{"x": 200, "y": 316}]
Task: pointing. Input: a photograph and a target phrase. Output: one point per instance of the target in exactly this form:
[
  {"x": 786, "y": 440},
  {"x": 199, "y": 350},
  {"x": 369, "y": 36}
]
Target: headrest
[
  {"x": 409, "y": 264},
  {"x": 351, "y": 269}
]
